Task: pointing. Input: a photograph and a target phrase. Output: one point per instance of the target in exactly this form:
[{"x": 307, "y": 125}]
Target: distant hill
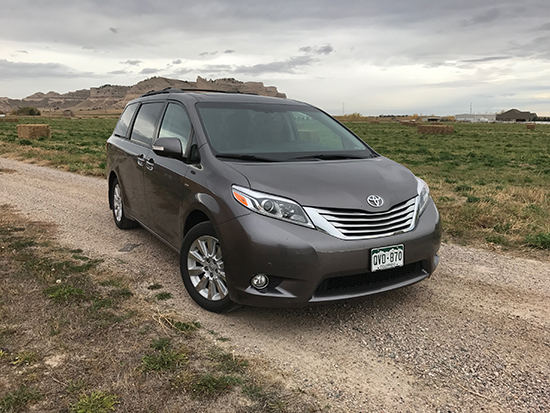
[{"x": 114, "y": 98}]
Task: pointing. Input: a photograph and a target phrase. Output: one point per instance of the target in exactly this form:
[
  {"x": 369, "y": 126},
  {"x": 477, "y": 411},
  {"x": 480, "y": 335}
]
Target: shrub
[
  {"x": 540, "y": 240},
  {"x": 26, "y": 111}
]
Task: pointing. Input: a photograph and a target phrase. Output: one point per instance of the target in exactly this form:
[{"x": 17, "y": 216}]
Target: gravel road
[{"x": 473, "y": 337}]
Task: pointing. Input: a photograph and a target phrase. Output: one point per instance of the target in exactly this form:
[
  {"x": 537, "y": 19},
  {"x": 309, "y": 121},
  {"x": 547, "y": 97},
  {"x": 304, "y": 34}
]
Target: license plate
[{"x": 387, "y": 257}]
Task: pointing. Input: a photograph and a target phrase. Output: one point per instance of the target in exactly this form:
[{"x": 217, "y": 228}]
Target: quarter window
[
  {"x": 146, "y": 121},
  {"x": 176, "y": 124},
  {"x": 121, "y": 128}
]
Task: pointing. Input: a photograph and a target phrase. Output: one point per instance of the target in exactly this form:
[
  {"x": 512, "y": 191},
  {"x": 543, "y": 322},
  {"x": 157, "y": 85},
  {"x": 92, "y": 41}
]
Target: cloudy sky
[{"x": 372, "y": 57}]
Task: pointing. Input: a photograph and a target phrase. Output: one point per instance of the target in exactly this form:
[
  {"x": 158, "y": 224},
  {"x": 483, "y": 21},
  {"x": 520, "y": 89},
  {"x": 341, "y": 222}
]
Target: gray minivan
[{"x": 270, "y": 202}]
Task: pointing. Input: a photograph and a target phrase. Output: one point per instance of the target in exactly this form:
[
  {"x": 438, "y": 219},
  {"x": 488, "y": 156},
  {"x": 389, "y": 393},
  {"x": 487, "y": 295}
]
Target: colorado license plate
[{"x": 387, "y": 257}]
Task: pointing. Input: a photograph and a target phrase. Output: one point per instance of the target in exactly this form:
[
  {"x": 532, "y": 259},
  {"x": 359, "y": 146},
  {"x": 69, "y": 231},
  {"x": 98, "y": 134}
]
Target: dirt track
[{"x": 475, "y": 336}]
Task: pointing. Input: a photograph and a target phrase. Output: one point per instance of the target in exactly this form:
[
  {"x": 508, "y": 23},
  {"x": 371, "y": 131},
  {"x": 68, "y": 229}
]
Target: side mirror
[{"x": 168, "y": 147}]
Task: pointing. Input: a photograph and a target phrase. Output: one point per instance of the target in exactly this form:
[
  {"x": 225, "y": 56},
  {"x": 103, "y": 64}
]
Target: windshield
[{"x": 277, "y": 132}]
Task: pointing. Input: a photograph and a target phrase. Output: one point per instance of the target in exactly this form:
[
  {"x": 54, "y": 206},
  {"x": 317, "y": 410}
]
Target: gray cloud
[
  {"x": 286, "y": 66},
  {"x": 118, "y": 72},
  {"x": 469, "y": 41},
  {"x": 483, "y": 18},
  {"x": 486, "y": 59},
  {"x": 19, "y": 70},
  {"x": 326, "y": 49},
  {"x": 149, "y": 71}
]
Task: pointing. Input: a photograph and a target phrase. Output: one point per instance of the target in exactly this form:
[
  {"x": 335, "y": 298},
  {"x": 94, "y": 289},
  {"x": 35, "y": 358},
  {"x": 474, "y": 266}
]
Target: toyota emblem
[{"x": 375, "y": 201}]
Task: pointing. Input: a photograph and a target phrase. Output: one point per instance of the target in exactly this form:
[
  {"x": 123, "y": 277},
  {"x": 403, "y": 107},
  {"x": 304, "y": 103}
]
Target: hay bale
[
  {"x": 409, "y": 123},
  {"x": 436, "y": 129},
  {"x": 375, "y": 122},
  {"x": 9, "y": 119},
  {"x": 530, "y": 126},
  {"x": 33, "y": 131}
]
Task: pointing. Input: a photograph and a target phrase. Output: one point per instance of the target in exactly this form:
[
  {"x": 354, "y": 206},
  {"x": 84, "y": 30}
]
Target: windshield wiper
[
  {"x": 245, "y": 157},
  {"x": 329, "y": 157}
]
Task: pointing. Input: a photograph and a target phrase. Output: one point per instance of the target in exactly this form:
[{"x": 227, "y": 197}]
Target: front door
[{"x": 165, "y": 178}]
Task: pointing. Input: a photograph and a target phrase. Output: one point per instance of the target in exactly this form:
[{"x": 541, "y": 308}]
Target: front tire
[
  {"x": 202, "y": 269},
  {"x": 118, "y": 208}
]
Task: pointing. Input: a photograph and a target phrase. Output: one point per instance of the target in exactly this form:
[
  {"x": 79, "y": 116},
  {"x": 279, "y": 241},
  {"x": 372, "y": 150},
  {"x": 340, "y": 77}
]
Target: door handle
[
  {"x": 150, "y": 164},
  {"x": 141, "y": 160}
]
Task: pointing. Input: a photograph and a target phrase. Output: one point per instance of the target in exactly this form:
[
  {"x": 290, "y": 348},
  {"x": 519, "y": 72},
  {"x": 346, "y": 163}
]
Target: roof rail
[{"x": 176, "y": 90}]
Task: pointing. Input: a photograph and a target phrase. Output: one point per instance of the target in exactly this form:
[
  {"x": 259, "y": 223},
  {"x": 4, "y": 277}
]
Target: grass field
[
  {"x": 76, "y": 145},
  {"x": 491, "y": 182}
]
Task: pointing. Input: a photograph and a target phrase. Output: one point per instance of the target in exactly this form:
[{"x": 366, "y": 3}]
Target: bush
[
  {"x": 540, "y": 240},
  {"x": 26, "y": 111}
]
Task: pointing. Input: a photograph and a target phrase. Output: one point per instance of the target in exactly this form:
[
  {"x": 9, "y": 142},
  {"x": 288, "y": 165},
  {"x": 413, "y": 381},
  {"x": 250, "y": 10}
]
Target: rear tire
[
  {"x": 202, "y": 269},
  {"x": 118, "y": 207}
]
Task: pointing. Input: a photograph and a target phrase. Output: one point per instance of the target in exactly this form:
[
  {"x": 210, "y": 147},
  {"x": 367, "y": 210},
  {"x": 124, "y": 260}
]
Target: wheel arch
[
  {"x": 194, "y": 218},
  {"x": 112, "y": 177}
]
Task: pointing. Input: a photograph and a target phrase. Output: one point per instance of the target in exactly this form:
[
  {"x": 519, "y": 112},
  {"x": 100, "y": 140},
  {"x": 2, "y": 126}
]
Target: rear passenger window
[
  {"x": 176, "y": 124},
  {"x": 146, "y": 122},
  {"x": 121, "y": 128}
]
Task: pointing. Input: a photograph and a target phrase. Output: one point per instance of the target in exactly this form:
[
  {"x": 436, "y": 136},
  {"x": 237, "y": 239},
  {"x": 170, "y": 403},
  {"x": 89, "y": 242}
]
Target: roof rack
[{"x": 176, "y": 90}]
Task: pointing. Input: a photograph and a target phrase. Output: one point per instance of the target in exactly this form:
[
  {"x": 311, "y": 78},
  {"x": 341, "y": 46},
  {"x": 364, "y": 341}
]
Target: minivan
[{"x": 269, "y": 201}]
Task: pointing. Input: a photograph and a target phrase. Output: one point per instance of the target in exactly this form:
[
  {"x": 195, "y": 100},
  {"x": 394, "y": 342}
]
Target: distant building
[
  {"x": 472, "y": 117},
  {"x": 514, "y": 115},
  {"x": 431, "y": 119}
]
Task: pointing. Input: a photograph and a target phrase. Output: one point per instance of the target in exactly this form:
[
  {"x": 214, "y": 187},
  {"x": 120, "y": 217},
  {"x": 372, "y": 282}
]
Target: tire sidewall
[{"x": 123, "y": 223}]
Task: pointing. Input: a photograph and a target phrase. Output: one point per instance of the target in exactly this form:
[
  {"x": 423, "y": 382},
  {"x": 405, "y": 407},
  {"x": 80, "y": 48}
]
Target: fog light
[{"x": 259, "y": 281}]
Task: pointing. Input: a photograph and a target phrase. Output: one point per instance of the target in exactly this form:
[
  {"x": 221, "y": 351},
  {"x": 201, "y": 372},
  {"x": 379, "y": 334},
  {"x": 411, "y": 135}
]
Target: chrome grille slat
[
  {"x": 356, "y": 224},
  {"x": 367, "y": 218},
  {"x": 352, "y": 213}
]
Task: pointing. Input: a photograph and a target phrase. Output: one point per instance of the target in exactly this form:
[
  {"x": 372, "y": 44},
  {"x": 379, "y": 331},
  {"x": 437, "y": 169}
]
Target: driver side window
[{"x": 176, "y": 124}]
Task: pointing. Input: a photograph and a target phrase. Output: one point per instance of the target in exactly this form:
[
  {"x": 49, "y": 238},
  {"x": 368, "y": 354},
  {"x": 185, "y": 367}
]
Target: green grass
[
  {"x": 76, "y": 145},
  {"x": 163, "y": 296},
  {"x": 96, "y": 402},
  {"x": 17, "y": 400},
  {"x": 483, "y": 177},
  {"x": 208, "y": 385}
]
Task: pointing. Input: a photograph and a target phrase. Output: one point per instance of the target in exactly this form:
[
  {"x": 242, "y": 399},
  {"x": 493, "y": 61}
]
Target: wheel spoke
[
  {"x": 203, "y": 247},
  {"x": 203, "y": 284},
  {"x": 195, "y": 271},
  {"x": 195, "y": 255},
  {"x": 222, "y": 289}
]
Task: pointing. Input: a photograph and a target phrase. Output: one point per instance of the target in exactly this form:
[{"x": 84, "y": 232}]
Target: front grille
[
  {"x": 363, "y": 224},
  {"x": 362, "y": 284}
]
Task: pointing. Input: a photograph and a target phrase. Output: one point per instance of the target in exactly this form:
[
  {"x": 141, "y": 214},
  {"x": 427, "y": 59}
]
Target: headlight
[
  {"x": 271, "y": 206},
  {"x": 424, "y": 195}
]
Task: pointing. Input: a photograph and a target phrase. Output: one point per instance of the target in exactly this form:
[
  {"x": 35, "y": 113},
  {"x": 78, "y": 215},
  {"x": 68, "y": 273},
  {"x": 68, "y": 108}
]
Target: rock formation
[{"x": 113, "y": 97}]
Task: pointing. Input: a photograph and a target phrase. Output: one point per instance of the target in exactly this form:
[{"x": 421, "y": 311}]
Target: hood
[{"x": 333, "y": 184}]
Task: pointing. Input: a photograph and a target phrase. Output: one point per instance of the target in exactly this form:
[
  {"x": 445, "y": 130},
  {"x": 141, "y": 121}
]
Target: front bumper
[{"x": 308, "y": 266}]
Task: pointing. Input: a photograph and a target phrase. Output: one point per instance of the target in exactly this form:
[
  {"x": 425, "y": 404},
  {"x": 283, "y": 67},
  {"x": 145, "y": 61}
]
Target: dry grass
[
  {"x": 73, "y": 337},
  {"x": 33, "y": 131}
]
